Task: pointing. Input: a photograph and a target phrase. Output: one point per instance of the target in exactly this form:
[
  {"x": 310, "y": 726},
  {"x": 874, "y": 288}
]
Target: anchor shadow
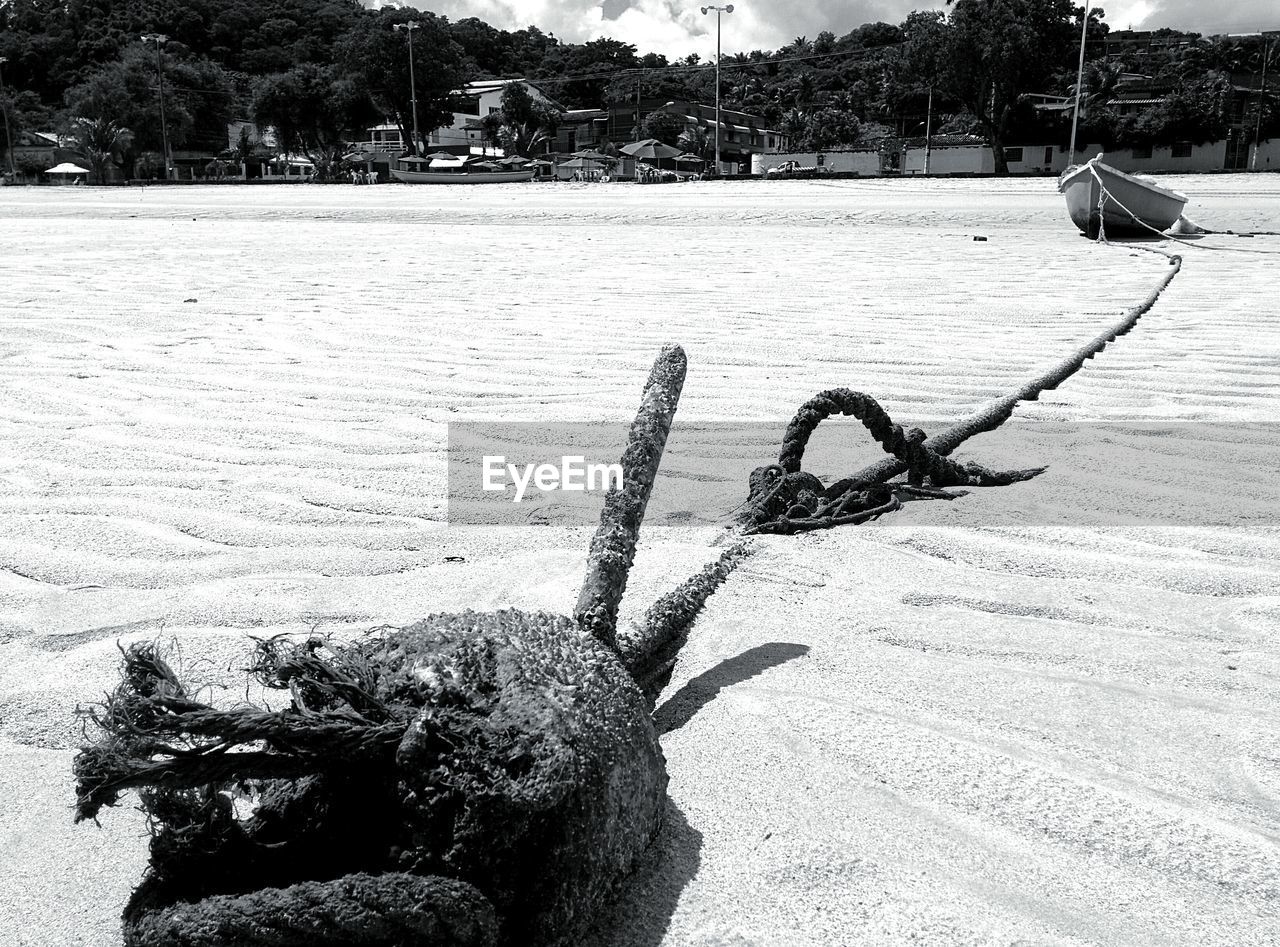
[
  {"x": 684, "y": 704},
  {"x": 649, "y": 897}
]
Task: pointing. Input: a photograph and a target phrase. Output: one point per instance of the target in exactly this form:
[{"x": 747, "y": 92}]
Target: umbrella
[
  {"x": 690, "y": 159},
  {"x": 442, "y": 155},
  {"x": 590, "y": 155},
  {"x": 512, "y": 160},
  {"x": 486, "y": 165},
  {"x": 650, "y": 148},
  {"x": 578, "y": 163},
  {"x": 67, "y": 168},
  {"x": 415, "y": 159}
]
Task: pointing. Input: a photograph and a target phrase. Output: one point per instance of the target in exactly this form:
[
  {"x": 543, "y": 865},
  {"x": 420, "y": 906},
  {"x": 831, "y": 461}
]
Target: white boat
[
  {"x": 1128, "y": 206},
  {"x": 460, "y": 170}
]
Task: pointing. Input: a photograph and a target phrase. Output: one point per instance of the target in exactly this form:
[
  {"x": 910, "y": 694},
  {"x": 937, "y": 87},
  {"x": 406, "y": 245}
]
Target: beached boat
[
  {"x": 461, "y": 170},
  {"x": 1129, "y": 206}
]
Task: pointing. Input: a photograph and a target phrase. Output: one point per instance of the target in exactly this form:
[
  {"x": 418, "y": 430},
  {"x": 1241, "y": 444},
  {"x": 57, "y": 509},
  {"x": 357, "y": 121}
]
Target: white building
[
  {"x": 479, "y": 100},
  {"x": 463, "y": 133}
]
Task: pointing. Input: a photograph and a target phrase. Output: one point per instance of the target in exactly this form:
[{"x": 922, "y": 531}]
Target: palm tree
[
  {"x": 523, "y": 124},
  {"x": 102, "y": 142},
  {"x": 697, "y": 140},
  {"x": 1101, "y": 79},
  {"x": 800, "y": 46}
]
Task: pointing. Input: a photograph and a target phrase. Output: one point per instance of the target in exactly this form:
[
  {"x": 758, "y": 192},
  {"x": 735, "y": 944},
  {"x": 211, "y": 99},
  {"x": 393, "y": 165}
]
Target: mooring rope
[
  {"x": 785, "y": 499},
  {"x": 1105, "y": 194}
]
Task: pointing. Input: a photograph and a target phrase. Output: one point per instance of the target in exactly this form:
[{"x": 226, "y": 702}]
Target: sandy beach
[{"x": 1041, "y": 714}]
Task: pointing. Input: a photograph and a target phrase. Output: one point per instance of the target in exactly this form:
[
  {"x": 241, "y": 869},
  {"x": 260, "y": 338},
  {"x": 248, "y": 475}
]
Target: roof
[
  {"x": 488, "y": 85},
  {"x": 729, "y": 119},
  {"x": 946, "y": 141},
  {"x": 30, "y": 139},
  {"x": 481, "y": 86}
]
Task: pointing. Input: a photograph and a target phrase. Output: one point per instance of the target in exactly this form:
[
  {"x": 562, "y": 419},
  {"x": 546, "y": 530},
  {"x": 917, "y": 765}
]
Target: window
[
  {"x": 469, "y": 105},
  {"x": 1012, "y": 154},
  {"x": 1181, "y": 149},
  {"x": 1142, "y": 153},
  {"x": 770, "y": 141},
  {"x": 1048, "y": 155},
  {"x": 493, "y": 109}
]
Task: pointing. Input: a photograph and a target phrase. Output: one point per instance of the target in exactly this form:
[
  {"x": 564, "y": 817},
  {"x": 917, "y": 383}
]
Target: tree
[
  {"x": 697, "y": 140},
  {"x": 664, "y": 126},
  {"x": 596, "y": 59},
  {"x": 828, "y": 127},
  {"x": 200, "y": 99},
  {"x": 522, "y": 122},
  {"x": 378, "y": 56},
  {"x": 30, "y": 166},
  {"x": 102, "y": 142},
  {"x": 915, "y": 73},
  {"x": 313, "y": 109},
  {"x": 995, "y": 51}
]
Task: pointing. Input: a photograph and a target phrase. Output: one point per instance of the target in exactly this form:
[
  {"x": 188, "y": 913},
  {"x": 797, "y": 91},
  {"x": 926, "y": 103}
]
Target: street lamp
[
  {"x": 160, "y": 39},
  {"x": 413, "y": 85},
  {"x": 727, "y": 8},
  {"x": 8, "y": 136}
]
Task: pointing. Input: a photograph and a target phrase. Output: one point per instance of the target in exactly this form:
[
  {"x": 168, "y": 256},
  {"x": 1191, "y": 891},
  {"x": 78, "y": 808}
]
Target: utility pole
[
  {"x": 160, "y": 39},
  {"x": 1075, "y": 115},
  {"x": 8, "y": 135},
  {"x": 727, "y": 8},
  {"x": 413, "y": 83},
  {"x": 928, "y": 131},
  {"x": 1262, "y": 101}
]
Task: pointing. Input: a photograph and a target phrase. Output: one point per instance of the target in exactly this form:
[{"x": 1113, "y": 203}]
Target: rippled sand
[{"x": 1016, "y": 718}]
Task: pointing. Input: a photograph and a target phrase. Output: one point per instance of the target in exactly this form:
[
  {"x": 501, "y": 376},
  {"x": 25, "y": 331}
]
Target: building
[
  {"x": 478, "y": 100},
  {"x": 583, "y": 129},
  {"x": 969, "y": 155},
  {"x": 742, "y": 134},
  {"x": 465, "y": 132},
  {"x": 33, "y": 152}
]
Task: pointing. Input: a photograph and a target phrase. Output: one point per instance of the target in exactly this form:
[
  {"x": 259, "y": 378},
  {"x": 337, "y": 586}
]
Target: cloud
[
  {"x": 1237, "y": 16},
  {"x": 677, "y": 28}
]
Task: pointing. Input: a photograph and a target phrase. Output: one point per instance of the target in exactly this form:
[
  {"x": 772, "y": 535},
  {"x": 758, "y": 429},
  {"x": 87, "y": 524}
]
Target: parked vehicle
[{"x": 794, "y": 169}]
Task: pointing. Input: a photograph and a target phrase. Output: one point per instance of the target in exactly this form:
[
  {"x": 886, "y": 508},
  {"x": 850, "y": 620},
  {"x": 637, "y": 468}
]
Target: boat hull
[
  {"x": 462, "y": 177},
  {"x": 1155, "y": 208}
]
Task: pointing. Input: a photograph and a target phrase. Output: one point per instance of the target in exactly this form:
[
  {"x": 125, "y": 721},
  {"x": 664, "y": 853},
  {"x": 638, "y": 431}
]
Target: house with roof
[
  {"x": 477, "y": 101},
  {"x": 742, "y": 134},
  {"x": 33, "y": 152}
]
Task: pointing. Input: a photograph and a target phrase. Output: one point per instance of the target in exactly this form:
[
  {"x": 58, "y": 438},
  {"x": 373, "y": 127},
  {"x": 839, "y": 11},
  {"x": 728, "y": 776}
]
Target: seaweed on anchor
[{"x": 472, "y": 779}]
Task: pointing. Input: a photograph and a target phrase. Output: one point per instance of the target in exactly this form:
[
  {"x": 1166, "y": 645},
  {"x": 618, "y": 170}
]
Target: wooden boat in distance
[
  {"x": 1130, "y": 206},
  {"x": 415, "y": 170}
]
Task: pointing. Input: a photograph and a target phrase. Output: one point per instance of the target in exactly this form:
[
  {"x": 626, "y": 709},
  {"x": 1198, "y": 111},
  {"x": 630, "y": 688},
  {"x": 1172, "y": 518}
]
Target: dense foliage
[{"x": 977, "y": 62}]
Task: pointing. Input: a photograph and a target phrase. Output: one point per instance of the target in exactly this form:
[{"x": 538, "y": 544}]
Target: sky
[{"x": 679, "y": 28}]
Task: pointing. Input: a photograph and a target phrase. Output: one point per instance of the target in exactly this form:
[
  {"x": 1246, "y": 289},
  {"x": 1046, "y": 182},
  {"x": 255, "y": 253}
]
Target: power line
[
  {"x": 632, "y": 71},
  {"x": 628, "y": 71}
]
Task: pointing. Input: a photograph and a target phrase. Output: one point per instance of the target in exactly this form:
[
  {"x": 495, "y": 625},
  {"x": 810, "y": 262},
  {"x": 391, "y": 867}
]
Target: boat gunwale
[
  {"x": 1068, "y": 176},
  {"x": 515, "y": 176}
]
